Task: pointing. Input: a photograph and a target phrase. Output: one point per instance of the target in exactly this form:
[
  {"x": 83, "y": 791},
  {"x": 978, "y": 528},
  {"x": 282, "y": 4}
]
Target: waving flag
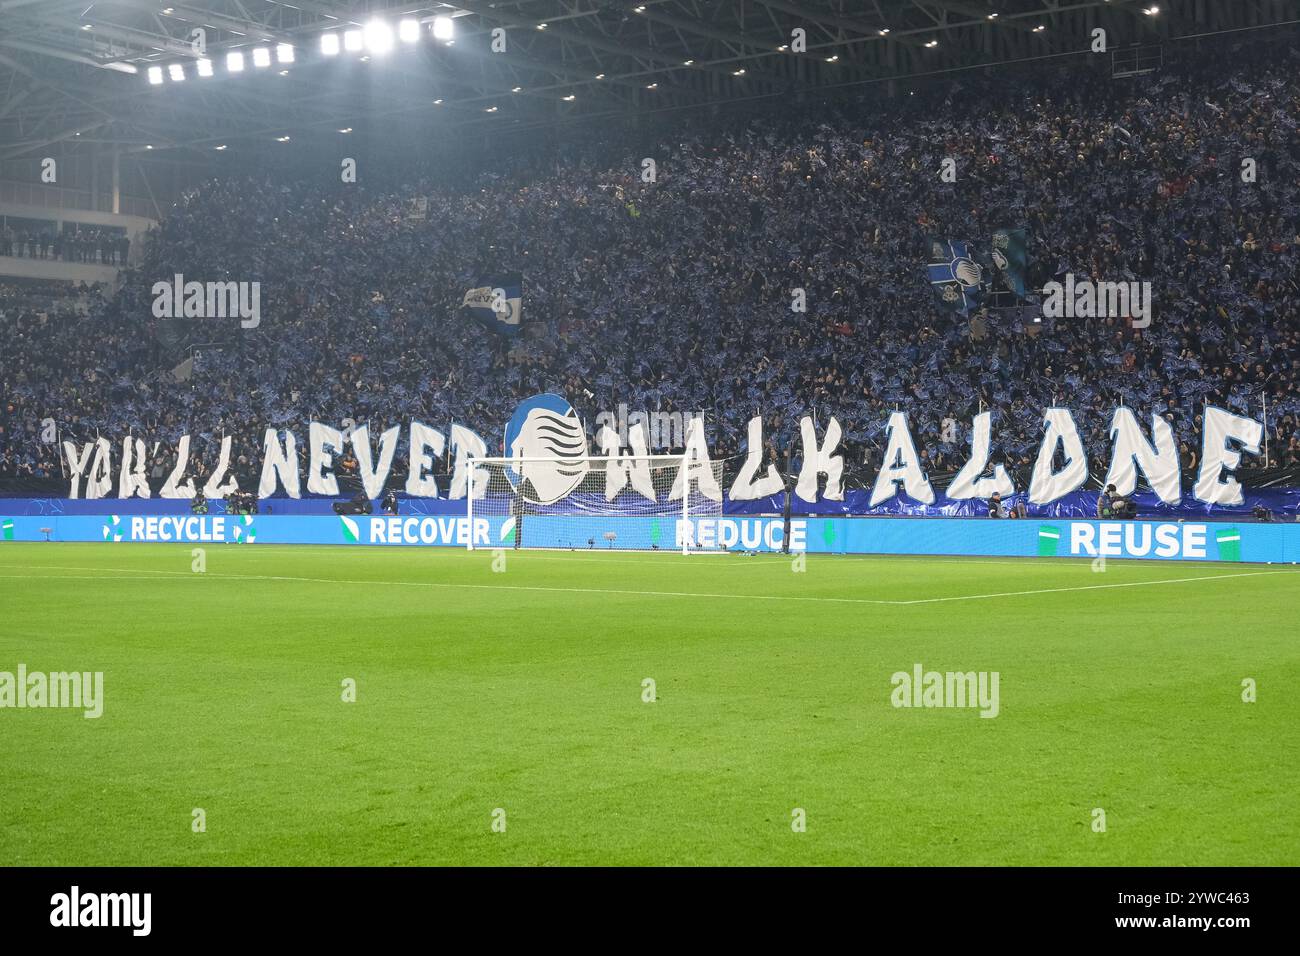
[
  {"x": 496, "y": 303},
  {"x": 954, "y": 274},
  {"x": 1011, "y": 258}
]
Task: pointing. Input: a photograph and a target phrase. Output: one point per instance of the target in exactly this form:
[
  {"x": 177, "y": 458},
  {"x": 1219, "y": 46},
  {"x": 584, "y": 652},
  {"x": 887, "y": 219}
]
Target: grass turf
[{"x": 522, "y": 690}]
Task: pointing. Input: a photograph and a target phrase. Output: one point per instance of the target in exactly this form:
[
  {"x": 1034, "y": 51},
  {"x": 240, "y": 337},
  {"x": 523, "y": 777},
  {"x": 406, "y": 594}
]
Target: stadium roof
[{"x": 76, "y": 72}]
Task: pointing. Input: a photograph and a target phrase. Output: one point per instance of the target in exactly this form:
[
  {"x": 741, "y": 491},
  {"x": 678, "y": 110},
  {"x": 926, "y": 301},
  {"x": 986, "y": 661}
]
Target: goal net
[{"x": 632, "y": 503}]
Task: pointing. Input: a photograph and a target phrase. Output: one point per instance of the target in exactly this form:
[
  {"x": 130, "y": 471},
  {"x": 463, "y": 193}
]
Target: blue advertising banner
[{"x": 1150, "y": 540}]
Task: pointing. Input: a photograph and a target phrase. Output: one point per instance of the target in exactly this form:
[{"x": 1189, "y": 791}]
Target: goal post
[{"x": 611, "y": 503}]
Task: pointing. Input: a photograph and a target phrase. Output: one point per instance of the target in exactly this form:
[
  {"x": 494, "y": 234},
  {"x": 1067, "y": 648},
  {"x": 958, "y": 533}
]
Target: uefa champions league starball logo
[
  {"x": 546, "y": 426},
  {"x": 113, "y": 528}
]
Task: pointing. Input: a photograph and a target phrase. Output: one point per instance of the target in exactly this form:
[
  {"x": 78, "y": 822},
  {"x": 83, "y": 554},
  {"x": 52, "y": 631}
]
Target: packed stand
[{"x": 676, "y": 294}]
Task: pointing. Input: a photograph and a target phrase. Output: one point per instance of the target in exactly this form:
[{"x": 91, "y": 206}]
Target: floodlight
[
  {"x": 444, "y": 28},
  {"x": 379, "y": 36},
  {"x": 205, "y": 67},
  {"x": 329, "y": 44},
  {"x": 155, "y": 76},
  {"x": 261, "y": 57},
  {"x": 235, "y": 61},
  {"x": 176, "y": 72},
  {"x": 352, "y": 41},
  {"x": 284, "y": 52},
  {"x": 408, "y": 31}
]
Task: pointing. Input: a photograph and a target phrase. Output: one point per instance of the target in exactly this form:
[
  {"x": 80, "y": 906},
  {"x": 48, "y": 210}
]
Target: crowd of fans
[
  {"x": 677, "y": 294},
  {"x": 109, "y": 247},
  {"x": 39, "y": 300}
]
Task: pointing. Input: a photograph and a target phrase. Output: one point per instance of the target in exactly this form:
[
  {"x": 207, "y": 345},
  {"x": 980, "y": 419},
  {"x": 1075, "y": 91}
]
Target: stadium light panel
[
  {"x": 204, "y": 67},
  {"x": 352, "y": 41},
  {"x": 408, "y": 31},
  {"x": 261, "y": 57},
  {"x": 155, "y": 76},
  {"x": 329, "y": 44},
  {"x": 176, "y": 72},
  {"x": 570, "y": 98},
  {"x": 379, "y": 36},
  {"x": 235, "y": 62},
  {"x": 444, "y": 28},
  {"x": 284, "y": 52}
]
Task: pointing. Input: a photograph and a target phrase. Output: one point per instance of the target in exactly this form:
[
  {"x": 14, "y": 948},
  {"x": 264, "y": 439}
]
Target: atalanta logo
[{"x": 546, "y": 426}]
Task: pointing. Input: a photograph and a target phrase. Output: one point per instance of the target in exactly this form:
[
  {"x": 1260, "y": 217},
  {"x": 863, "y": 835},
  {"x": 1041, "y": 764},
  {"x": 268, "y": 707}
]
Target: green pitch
[{"x": 521, "y": 691}]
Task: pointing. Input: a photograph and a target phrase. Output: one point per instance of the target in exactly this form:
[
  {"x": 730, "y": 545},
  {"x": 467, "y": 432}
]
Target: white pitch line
[
  {"x": 82, "y": 577},
  {"x": 1088, "y": 587},
  {"x": 626, "y": 591},
  {"x": 78, "y": 567},
  {"x": 442, "y": 584},
  {"x": 767, "y": 559},
  {"x": 764, "y": 560}
]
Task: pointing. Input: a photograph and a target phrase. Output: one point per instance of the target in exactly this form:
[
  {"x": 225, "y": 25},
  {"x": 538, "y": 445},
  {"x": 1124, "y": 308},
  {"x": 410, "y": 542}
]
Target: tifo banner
[
  {"x": 1150, "y": 540},
  {"x": 548, "y": 426},
  {"x": 1280, "y": 503},
  {"x": 497, "y": 303}
]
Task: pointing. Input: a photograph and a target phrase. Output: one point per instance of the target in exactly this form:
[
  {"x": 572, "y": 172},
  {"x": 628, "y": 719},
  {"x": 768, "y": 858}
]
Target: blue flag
[
  {"x": 954, "y": 274},
  {"x": 496, "y": 303}
]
